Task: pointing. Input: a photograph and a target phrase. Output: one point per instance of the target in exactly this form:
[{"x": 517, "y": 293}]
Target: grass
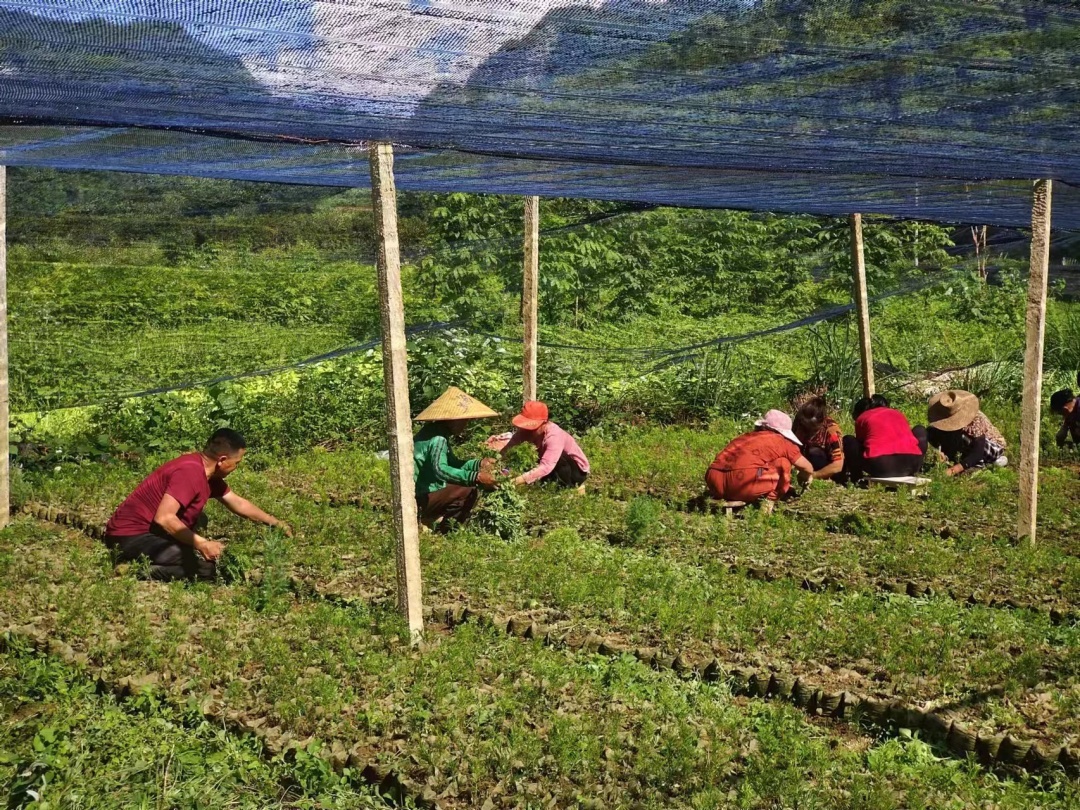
[
  {"x": 149, "y": 356},
  {"x": 64, "y": 745},
  {"x": 477, "y": 716},
  {"x": 674, "y": 587}
]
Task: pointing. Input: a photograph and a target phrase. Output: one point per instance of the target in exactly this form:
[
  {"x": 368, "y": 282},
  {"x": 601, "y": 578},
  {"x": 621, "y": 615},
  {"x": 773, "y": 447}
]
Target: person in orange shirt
[
  {"x": 821, "y": 437},
  {"x": 757, "y": 465}
]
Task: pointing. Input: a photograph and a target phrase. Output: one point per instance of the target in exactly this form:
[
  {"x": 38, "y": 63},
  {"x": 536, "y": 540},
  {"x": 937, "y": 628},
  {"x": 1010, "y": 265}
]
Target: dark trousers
[
  {"x": 819, "y": 457},
  {"x": 169, "y": 558},
  {"x": 893, "y": 466},
  {"x": 452, "y": 501},
  {"x": 970, "y": 453},
  {"x": 566, "y": 473},
  {"x": 1074, "y": 432}
]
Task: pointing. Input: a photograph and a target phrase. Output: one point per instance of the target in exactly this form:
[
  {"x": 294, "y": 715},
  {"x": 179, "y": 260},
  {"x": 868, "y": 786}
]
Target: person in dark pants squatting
[
  {"x": 561, "y": 460},
  {"x": 161, "y": 519},
  {"x": 822, "y": 440},
  {"x": 1066, "y": 405},
  {"x": 446, "y": 487},
  {"x": 884, "y": 445},
  {"x": 962, "y": 433}
]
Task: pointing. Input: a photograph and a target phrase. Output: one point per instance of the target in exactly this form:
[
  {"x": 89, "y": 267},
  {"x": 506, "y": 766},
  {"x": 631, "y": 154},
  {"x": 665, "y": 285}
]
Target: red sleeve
[
  {"x": 834, "y": 443},
  {"x": 183, "y": 485},
  {"x": 218, "y": 488}
]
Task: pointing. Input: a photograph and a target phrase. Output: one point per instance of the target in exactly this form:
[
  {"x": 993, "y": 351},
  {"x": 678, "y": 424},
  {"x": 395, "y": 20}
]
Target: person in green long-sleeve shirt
[{"x": 446, "y": 487}]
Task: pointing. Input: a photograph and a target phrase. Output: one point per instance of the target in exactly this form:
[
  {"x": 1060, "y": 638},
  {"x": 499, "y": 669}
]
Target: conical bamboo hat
[{"x": 454, "y": 404}]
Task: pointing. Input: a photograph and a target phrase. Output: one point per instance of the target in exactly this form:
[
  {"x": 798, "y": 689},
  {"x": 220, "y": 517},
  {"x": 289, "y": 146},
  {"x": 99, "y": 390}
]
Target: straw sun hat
[
  {"x": 454, "y": 404},
  {"x": 952, "y": 410}
]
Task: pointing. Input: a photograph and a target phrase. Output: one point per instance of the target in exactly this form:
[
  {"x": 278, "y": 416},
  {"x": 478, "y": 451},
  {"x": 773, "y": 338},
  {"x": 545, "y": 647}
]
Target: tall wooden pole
[
  {"x": 396, "y": 383},
  {"x": 862, "y": 307},
  {"x": 5, "y": 494},
  {"x": 529, "y": 291},
  {"x": 1036, "y": 329}
]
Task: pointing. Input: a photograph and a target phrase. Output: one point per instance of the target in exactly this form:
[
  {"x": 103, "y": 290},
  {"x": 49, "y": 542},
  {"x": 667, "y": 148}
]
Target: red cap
[{"x": 532, "y": 416}]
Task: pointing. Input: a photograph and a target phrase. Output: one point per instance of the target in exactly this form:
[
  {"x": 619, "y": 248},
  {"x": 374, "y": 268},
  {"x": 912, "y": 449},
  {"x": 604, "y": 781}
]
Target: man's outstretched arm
[{"x": 246, "y": 509}]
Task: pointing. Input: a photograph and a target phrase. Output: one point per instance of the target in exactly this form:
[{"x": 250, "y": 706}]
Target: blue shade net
[{"x": 931, "y": 110}]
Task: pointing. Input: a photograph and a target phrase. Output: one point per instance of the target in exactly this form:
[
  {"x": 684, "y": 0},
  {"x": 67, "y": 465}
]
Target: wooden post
[
  {"x": 5, "y": 439},
  {"x": 529, "y": 291},
  {"x": 396, "y": 384},
  {"x": 862, "y": 307},
  {"x": 1036, "y": 329}
]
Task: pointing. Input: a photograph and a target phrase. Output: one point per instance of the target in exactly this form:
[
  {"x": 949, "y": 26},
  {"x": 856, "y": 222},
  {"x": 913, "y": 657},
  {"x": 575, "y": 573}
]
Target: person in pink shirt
[{"x": 561, "y": 459}]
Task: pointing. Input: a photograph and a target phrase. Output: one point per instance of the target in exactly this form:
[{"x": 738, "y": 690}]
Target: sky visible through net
[{"x": 817, "y": 106}]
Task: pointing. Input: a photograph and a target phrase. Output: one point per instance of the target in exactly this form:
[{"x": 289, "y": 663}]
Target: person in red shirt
[
  {"x": 757, "y": 465},
  {"x": 159, "y": 519},
  {"x": 884, "y": 445}
]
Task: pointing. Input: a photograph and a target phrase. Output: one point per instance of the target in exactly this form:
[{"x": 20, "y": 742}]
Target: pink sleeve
[{"x": 552, "y": 452}]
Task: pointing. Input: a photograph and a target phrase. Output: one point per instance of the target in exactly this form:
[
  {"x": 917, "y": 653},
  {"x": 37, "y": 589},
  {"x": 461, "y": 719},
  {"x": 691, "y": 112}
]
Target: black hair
[
  {"x": 1059, "y": 399},
  {"x": 810, "y": 416},
  {"x": 868, "y": 404},
  {"x": 224, "y": 442}
]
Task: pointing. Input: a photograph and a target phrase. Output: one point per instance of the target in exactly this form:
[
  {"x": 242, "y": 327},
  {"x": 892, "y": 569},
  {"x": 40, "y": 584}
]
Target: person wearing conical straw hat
[
  {"x": 446, "y": 487},
  {"x": 561, "y": 460},
  {"x": 962, "y": 434}
]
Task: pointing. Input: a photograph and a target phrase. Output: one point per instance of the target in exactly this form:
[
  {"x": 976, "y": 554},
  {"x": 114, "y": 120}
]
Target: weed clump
[
  {"x": 641, "y": 519},
  {"x": 233, "y": 566},
  {"x": 854, "y": 523},
  {"x": 520, "y": 458},
  {"x": 501, "y": 513},
  {"x": 274, "y": 587}
]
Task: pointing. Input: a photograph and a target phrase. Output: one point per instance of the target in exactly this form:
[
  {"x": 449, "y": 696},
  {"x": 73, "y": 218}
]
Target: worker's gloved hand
[{"x": 209, "y": 549}]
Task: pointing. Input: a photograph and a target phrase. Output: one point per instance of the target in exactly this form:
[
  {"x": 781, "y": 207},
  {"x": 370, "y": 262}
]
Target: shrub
[
  {"x": 500, "y": 513},
  {"x": 642, "y": 518}
]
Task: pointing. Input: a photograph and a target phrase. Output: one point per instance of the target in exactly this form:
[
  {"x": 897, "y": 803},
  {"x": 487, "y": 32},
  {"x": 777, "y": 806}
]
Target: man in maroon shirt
[{"x": 159, "y": 519}]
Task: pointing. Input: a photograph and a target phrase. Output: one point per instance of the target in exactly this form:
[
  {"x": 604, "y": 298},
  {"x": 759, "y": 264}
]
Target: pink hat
[{"x": 779, "y": 422}]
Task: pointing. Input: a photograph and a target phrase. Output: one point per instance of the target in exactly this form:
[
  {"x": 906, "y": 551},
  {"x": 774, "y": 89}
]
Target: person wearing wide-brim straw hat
[
  {"x": 560, "y": 458},
  {"x": 962, "y": 434},
  {"x": 446, "y": 487},
  {"x": 757, "y": 466}
]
